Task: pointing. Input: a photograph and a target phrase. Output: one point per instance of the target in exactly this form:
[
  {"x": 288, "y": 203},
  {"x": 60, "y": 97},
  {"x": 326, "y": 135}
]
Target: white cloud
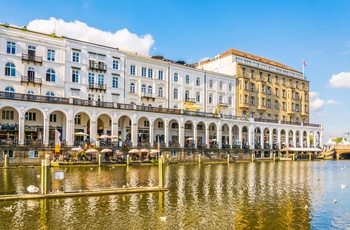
[
  {"x": 122, "y": 39},
  {"x": 340, "y": 80},
  {"x": 317, "y": 104}
]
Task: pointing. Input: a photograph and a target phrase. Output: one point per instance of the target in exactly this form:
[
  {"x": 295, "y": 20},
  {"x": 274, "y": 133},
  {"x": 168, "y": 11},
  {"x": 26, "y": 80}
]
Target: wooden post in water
[
  {"x": 310, "y": 156},
  {"x": 274, "y": 156},
  {"x": 228, "y": 158},
  {"x": 253, "y": 157},
  {"x": 293, "y": 157},
  {"x": 337, "y": 156},
  {"x": 199, "y": 158},
  {"x": 45, "y": 175},
  {"x": 161, "y": 172},
  {"x": 128, "y": 160},
  {"x": 6, "y": 161}
]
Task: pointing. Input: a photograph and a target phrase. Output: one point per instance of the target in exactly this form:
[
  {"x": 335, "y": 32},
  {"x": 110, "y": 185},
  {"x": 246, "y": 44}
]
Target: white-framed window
[
  {"x": 150, "y": 90},
  {"x": 210, "y": 99},
  {"x": 11, "y": 48},
  {"x": 8, "y": 114},
  {"x": 176, "y": 94},
  {"x": 198, "y": 81},
  {"x": 150, "y": 73},
  {"x": 115, "y": 82},
  {"x": 9, "y": 89},
  {"x": 230, "y": 87},
  {"x": 220, "y": 85},
  {"x": 30, "y": 116},
  {"x": 132, "y": 88},
  {"x": 160, "y": 92},
  {"x": 143, "y": 72},
  {"x": 77, "y": 120},
  {"x": 211, "y": 84},
  {"x": 160, "y": 75},
  {"x": 100, "y": 79},
  {"x": 220, "y": 99},
  {"x": 198, "y": 97},
  {"x": 145, "y": 123},
  {"x": 10, "y": 69},
  {"x": 115, "y": 64},
  {"x": 76, "y": 57},
  {"x": 30, "y": 92},
  {"x": 91, "y": 78},
  {"x": 50, "y": 75},
  {"x": 252, "y": 100},
  {"x": 53, "y": 117},
  {"x": 51, "y": 55},
  {"x": 10, "y": 153},
  {"x": 50, "y": 94},
  {"x": 75, "y": 75},
  {"x": 187, "y": 79},
  {"x": 132, "y": 70},
  {"x": 263, "y": 101},
  {"x": 176, "y": 77},
  {"x": 230, "y": 101},
  {"x": 91, "y": 97},
  {"x": 173, "y": 153},
  {"x": 143, "y": 88},
  {"x": 33, "y": 154}
]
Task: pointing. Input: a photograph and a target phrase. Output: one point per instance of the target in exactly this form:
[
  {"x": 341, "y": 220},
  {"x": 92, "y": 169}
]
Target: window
[
  {"x": 303, "y": 85},
  {"x": 50, "y": 75},
  {"x": 260, "y": 75},
  {"x": 77, "y": 120},
  {"x": 252, "y": 114},
  {"x": 132, "y": 70},
  {"x": 33, "y": 154},
  {"x": 244, "y": 113},
  {"x": 220, "y": 85},
  {"x": 276, "y": 92},
  {"x": 283, "y": 81},
  {"x": 230, "y": 87},
  {"x": 145, "y": 123},
  {"x": 230, "y": 101},
  {"x": 246, "y": 99},
  {"x": 50, "y": 94},
  {"x": 150, "y": 90},
  {"x": 50, "y": 55},
  {"x": 246, "y": 85},
  {"x": 9, "y": 89},
  {"x": 150, "y": 73},
  {"x": 296, "y": 84},
  {"x": 143, "y": 88},
  {"x": 220, "y": 99},
  {"x": 11, "y": 48},
  {"x": 293, "y": 93},
  {"x": 260, "y": 116},
  {"x": 10, "y": 69},
  {"x": 276, "y": 79},
  {"x": 268, "y": 103},
  {"x": 252, "y": 74},
  {"x": 91, "y": 78},
  {"x": 211, "y": 84},
  {"x": 91, "y": 97},
  {"x": 268, "y": 116},
  {"x": 75, "y": 75},
  {"x": 160, "y": 124},
  {"x": 297, "y": 107},
  {"x": 176, "y": 77},
  {"x": 276, "y": 104},
  {"x": 160, "y": 75},
  {"x": 100, "y": 79},
  {"x": 143, "y": 71},
  {"x": 292, "y": 106},
  {"x": 187, "y": 79},
  {"x": 269, "y": 90},
  {"x": 176, "y": 94},
  {"x": 290, "y": 82},
  {"x": 276, "y": 117},
  {"x": 263, "y": 88},
  {"x": 132, "y": 88},
  {"x": 30, "y": 92},
  {"x": 53, "y": 117},
  {"x": 9, "y": 153},
  {"x": 296, "y": 96},
  {"x": 198, "y": 81},
  {"x": 283, "y": 93},
  {"x": 75, "y": 57},
  {"x": 30, "y": 116},
  {"x": 243, "y": 71},
  {"x": 115, "y": 64},
  {"x": 252, "y": 87},
  {"x": 115, "y": 82},
  {"x": 187, "y": 95},
  {"x": 252, "y": 100},
  {"x": 8, "y": 115},
  {"x": 198, "y": 97},
  {"x": 160, "y": 92},
  {"x": 269, "y": 77},
  {"x": 210, "y": 99},
  {"x": 263, "y": 101},
  {"x": 283, "y": 105}
]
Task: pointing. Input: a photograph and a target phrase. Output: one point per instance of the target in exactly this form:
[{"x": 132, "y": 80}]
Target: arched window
[
  {"x": 176, "y": 77},
  {"x": 198, "y": 97},
  {"x": 230, "y": 101},
  {"x": 187, "y": 79},
  {"x": 9, "y": 89},
  {"x": 198, "y": 81},
  {"x": 143, "y": 88},
  {"x": 220, "y": 99},
  {"x": 176, "y": 94},
  {"x": 150, "y": 89},
  {"x": 10, "y": 69},
  {"x": 220, "y": 85},
  {"x": 210, "y": 99},
  {"x": 50, "y": 94},
  {"x": 160, "y": 92},
  {"x": 187, "y": 95},
  {"x": 132, "y": 88},
  {"x": 211, "y": 84},
  {"x": 230, "y": 87},
  {"x": 50, "y": 75},
  {"x": 30, "y": 92}
]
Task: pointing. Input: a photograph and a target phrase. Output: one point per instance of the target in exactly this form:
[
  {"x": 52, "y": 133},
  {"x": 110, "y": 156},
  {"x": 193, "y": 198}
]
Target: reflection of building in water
[{"x": 73, "y": 86}]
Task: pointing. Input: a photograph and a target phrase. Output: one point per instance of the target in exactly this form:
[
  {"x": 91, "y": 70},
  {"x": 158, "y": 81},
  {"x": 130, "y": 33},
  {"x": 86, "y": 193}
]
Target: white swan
[
  {"x": 32, "y": 189},
  {"x": 343, "y": 186},
  {"x": 8, "y": 208}
]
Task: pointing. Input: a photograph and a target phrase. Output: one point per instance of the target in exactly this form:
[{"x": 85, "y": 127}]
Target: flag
[
  {"x": 304, "y": 63},
  {"x": 57, "y": 141}
]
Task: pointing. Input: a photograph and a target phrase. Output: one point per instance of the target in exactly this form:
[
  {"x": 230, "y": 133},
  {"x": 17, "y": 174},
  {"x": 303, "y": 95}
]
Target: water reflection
[{"x": 264, "y": 195}]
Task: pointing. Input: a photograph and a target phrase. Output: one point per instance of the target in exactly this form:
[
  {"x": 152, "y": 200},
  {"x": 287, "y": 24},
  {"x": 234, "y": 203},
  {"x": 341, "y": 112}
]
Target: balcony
[
  {"x": 304, "y": 113},
  {"x": 189, "y": 101},
  {"x": 290, "y": 112},
  {"x": 32, "y": 58},
  {"x": 33, "y": 98},
  {"x": 33, "y": 80},
  {"x": 148, "y": 96},
  {"x": 265, "y": 120},
  {"x": 244, "y": 105},
  {"x": 97, "y": 86},
  {"x": 262, "y": 107},
  {"x": 97, "y": 66}
]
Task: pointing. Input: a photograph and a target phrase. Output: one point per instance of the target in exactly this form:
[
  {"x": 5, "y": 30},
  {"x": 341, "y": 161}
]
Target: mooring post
[
  {"x": 337, "y": 156},
  {"x": 228, "y": 158},
  {"x": 45, "y": 175},
  {"x": 99, "y": 159},
  {"x": 274, "y": 157},
  {"x": 161, "y": 172},
  {"x": 252, "y": 157},
  {"x": 293, "y": 157},
  {"x": 199, "y": 158},
  {"x": 310, "y": 156},
  {"x": 6, "y": 161},
  {"x": 128, "y": 160}
]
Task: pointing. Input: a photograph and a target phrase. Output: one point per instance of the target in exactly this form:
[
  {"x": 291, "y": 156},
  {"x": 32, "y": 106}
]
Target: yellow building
[{"x": 266, "y": 89}]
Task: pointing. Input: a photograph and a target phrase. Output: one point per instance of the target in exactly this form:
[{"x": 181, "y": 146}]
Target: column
[
  {"x": 295, "y": 139},
  {"x": 251, "y": 138},
  {"x": 207, "y": 135},
  {"x": 262, "y": 139},
  {"x": 21, "y": 136},
  {"x": 230, "y": 136},
  {"x": 271, "y": 139},
  {"x": 240, "y": 136},
  {"x": 279, "y": 138},
  {"x": 195, "y": 135},
  {"x": 151, "y": 134},
  {"x": 301, "y": 139},
  {"x": 93, "y": 130},
  {"x": 287, "y": 138},
  {"x": 70, "y": 132},
  {"x": 166, "y": 134},
  {"x": 134, "y": 133},
  {"x": 181, "y": 136},
  {"x": 219, "y": 135},
  {"x": 46, "y": 132},
  {"x": 308, "y": 139}
]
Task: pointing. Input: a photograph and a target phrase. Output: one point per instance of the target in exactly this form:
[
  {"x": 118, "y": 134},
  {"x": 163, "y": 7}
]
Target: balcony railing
[
  {"x": 33, "y": 98},
  {"x": 222, "y": 105},
  {"x": 148, "y": 95},
  {"x": 32, "y": 58},
  {"x": 35, "y": 80},
  {"x": 97, "y": 66},
  {"x": 97, "y": 86},
  {"x": 265, "y": 120},
  {"x": 77, "y": 101}
]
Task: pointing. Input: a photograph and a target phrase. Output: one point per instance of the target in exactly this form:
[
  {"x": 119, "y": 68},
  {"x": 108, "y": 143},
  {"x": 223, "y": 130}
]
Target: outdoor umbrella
[
  {"x": 76, "y": 149},
  {"x": 134, "y": 151},
  {"x": 81, "y": 134},
  {"x": 91, "y": 151},
  {"x": 113, "y": 137},
  {"x": 106, "y": 151},
  {"x": 144, "y": 151},
  {"x": 104, "y": 136},
  {"x": 190, "y": 139}
]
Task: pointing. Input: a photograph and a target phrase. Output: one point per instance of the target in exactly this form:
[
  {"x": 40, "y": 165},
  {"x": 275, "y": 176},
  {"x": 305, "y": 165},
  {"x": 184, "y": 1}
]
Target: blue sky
[{"x": 285, "y": 31}]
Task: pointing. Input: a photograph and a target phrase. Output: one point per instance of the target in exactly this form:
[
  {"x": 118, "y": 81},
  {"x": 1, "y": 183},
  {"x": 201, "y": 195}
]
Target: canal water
[{"x": 266, "y": 195}]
